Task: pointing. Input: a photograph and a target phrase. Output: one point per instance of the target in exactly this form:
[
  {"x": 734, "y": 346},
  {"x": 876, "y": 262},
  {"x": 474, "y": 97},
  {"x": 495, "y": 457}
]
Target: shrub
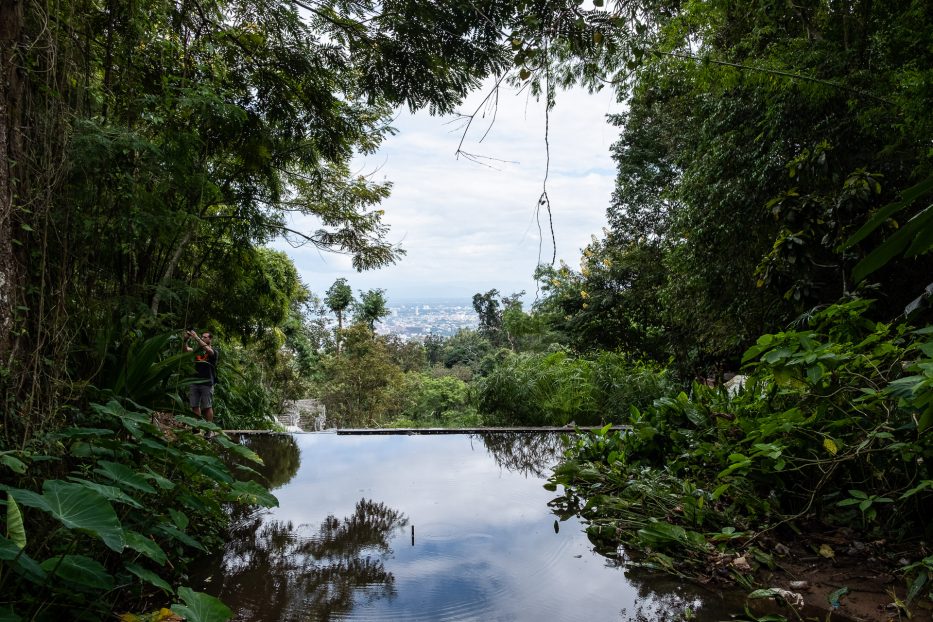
[
  {"x": 427, "y": 401},
  {"x": 555, "y": 389}
]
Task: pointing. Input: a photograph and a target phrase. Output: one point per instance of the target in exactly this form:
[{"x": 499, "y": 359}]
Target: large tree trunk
[{"x": 11, "y": 25}]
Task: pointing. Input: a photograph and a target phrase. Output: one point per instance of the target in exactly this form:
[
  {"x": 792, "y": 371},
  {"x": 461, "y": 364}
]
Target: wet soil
[{"x": 841, "y": 578}]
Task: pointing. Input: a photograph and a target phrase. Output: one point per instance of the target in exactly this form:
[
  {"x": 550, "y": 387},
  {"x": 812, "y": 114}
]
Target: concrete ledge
[{"x": 386, "y": 431}]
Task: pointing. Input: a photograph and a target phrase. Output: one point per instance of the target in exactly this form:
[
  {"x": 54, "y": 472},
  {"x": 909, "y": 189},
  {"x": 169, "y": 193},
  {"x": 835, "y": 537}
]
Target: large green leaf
[
  {"x": 660, "y": 534},
  {"x": 14, "y": 464},
  {"x": 73, "y": 433},
  {"x": 253, "y": 493},
  {"x": 200, "y": 607},
  {"x": 181, "y": 536},
  {"x": 123, "y": 475},
  {"x": 916, "y": 228},
  {"x": 80, "y": 570},
  {"x": 78, "y": 507},
  {"x": 27, "y": 497},
  {"x": 240, "y": 450},
  {"x": 141, "y": 544},
  {"x": 8, "y": 615},
  {"x": 20, "y": 562},
  {"x": 179, "y": 518},
  {"x": 211, "y": 466},
  {"x": 199, "y": 424},
  {"x": 156, "y": 448},
  {"x": 160, "y": 481},
  {"x": 923, "y": 240},
  {"x": 907, "y": 197},
  {"x": 15, "y": 530},
  {"x": 149, "y": 577},
  {"x": 111, "y": 493},
  {"x": 192, "y": 502}
]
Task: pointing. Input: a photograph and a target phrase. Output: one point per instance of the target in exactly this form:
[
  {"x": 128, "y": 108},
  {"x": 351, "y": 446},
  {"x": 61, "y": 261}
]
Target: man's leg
[
  {"x": 208, "y": 403},
  {"x": 194, "y": 400}
]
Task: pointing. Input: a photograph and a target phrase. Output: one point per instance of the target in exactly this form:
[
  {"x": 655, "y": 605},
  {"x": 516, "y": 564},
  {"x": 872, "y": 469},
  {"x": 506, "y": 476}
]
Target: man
[{"x": 201, "y": 393}]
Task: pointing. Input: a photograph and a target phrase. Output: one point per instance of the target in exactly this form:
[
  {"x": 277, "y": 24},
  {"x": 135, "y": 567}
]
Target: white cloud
[
  {"x": 485, "y": 547},
  {"x": 469, "y": 228}
]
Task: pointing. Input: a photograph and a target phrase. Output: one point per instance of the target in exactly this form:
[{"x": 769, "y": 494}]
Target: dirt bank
[{"x": 840, "y": 578}]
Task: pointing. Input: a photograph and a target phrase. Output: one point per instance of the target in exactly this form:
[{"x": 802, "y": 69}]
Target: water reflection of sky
[{"x": 485, "y": 546}]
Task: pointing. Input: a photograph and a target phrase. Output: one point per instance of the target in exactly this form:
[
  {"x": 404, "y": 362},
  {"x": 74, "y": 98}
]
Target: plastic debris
[{"x": 835, "y": 596}]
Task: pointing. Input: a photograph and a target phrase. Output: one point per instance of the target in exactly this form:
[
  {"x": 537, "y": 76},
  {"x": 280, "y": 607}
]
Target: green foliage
[
  {"x": 613, "y": 302},
  {"x": 830, "y": 426},
  {"x": 358, "y": 380},
  {"x": 252, "y": 293},
  {"x": 154, "y": 165},
  {"x": 409, "y": 355},
  {"x": 15, "y": 530},
  {"x": 77, "y": 507},
  {"x": 556, "y": 389},
  {"x": 144, "y": 503},
  {"x": 492, "y": 309},
  {"x": 467, "y": 348},
  {"x": 201, "y": 607},
  {"x": 371, "y": 308},
  {"x": 917, "y": 232},
  {"x": 761, "y": 161},
  {"x": 246, "y": 396},
  {"x": 426, "y": 401},
  {"x": 283, "y": 363},
  {"x": 338, "y": 299},
  {"x": 119, "y": 486},
  {"x": 145, "y": 370}
]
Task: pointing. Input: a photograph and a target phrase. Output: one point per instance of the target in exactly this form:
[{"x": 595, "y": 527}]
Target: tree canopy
[
  {"x": 766, "y": 152},
  {"x": 158, "y": 145}
]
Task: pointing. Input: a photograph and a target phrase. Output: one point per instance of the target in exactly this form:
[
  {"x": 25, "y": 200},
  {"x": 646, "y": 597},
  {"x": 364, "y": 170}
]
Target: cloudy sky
[{"x": 467, "y": 227}]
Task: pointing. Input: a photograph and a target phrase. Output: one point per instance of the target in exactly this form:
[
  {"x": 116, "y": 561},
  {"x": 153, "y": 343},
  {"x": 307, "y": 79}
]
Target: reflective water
[{"x": 425, "y": 528}]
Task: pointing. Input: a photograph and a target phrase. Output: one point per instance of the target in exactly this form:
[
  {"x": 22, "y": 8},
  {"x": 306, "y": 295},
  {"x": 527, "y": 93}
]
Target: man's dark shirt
[{"x": 205, "y": 365}]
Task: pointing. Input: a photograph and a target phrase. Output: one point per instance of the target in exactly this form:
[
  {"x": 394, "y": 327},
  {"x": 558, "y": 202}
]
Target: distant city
[{"x": 416, "y": 319}]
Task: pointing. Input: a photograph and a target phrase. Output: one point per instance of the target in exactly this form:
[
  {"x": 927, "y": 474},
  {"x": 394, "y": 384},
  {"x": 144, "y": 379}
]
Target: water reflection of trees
[
  {"x": 661, "y": 597},
  {"x": 280, "y": 455},
  {"x": 532, "y": 455},
  {"x": 665, "y": 598},
  {"x": 274, "y": 570}
]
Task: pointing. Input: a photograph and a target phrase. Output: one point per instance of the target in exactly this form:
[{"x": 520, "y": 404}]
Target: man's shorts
[{"x": 201, "y": 396}]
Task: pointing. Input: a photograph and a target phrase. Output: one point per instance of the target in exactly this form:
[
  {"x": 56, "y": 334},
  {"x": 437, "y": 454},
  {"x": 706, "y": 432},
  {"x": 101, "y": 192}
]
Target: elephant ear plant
[{"x": 107, "y": 515}]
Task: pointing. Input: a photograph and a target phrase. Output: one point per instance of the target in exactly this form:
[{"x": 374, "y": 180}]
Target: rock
[
  {"x": 793, "y": 598},
  {"x": 827, "y": 551},
  {"x": 304, "y": 416},
  {"x": 734, "y": 384},
  {"x": 799, "y": 585},
  {"x": 741, "y": 564}
]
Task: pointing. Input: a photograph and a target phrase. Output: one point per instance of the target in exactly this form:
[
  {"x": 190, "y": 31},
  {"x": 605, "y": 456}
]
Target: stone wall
[{"x": 304, "y": 416}]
